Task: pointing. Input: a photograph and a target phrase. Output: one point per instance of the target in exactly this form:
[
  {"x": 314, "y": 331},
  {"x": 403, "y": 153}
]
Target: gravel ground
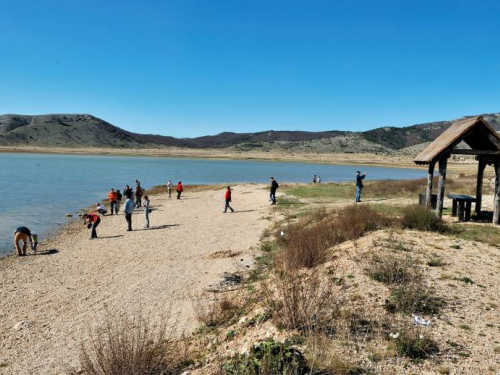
[{"x": 48, "y": 302}]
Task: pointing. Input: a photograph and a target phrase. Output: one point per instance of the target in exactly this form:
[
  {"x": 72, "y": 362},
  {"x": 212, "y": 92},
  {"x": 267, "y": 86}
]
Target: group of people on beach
[{"x": 136, "y": 199}]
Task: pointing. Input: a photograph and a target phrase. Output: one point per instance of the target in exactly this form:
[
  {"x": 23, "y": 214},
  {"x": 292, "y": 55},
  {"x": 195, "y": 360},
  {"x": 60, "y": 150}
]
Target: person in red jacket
[
  {"x": 227, "y": 198},
  {"x": 179, "y": 190},
  {"x": 92, "y": 220}
]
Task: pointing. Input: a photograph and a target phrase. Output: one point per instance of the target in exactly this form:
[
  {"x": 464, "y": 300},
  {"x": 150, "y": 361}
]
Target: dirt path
[{"x": 58, "y": 296}]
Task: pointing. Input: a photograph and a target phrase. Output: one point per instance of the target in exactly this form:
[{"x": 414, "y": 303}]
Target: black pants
[
  {"x": 94, "y": 226},
  {"x": 128, "y": 217},
  {"x": 179, "y": 194},
  {"x": 138, "y": 201},
  {"x": 113, "y": 208},
  {"x": 228, "y": 206},
  {"x": 273, "y": 196}
]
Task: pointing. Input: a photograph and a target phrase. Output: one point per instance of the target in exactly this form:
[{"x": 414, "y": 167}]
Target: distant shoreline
[{"x": 369, "y": 159}]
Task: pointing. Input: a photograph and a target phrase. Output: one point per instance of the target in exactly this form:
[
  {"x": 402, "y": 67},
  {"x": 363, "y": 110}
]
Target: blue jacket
[{"x": 128, "y": 207}]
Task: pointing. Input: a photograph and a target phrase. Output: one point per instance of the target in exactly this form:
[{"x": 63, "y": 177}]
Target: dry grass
[
  {"x": 129, "y": 345},
  {"x": 217, "y": 313},
  {"x": 413, "y": 297},
  {"x": 306, "y": 243},
  {"x": 392, "y": 269},
  {"x": 414, "y": 342},
  {"x": 421, "y": 218}
]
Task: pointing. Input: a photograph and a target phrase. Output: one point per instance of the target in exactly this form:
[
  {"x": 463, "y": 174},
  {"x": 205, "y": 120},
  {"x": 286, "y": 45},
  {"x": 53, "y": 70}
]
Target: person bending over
[{"x": 22, "y": 234}]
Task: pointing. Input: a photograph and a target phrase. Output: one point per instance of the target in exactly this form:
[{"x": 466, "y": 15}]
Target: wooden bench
[{"x": 462, "y": 205}]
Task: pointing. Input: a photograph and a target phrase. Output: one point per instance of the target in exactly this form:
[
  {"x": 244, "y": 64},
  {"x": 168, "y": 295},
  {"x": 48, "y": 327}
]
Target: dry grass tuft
[
  {"x": 129, "y": 345},
  {"x": 421, "y": 218},
  {"x": 392, "y": 269},
  {"x": 217, "y": 313}
]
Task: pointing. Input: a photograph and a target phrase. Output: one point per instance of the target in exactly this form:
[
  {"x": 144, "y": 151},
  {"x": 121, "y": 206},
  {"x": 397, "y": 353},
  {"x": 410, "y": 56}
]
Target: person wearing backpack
[
  {"x": 274, "y": 187},
  {"x": 138, "y": 194},
  {"x": 227, "y": 199}
]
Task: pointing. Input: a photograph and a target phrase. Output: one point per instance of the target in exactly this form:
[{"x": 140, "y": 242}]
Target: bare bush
[
  {"x": 128, "y": 345},
  {"x": 413, "y": 297},
  {"x": 302, "y": 302}
]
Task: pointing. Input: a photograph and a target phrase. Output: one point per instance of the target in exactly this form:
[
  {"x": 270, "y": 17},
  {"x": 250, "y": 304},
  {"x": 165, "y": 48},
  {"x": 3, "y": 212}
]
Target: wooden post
[
  {"x": 479, "y": 187},
  {"x": 496, "y": 204},
  {"x": 428, "y": 192},
  {"x": 442, "y": 179}
]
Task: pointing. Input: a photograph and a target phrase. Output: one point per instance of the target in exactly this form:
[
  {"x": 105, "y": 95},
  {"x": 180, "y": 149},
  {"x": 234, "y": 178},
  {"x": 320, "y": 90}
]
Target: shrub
[
  {"x": 268, "y": 357},
  {"x": 435, "y": 261},
  {"x": 392, "y": 269},
  {"x": 125, "y": 345},
  {"x": 217, "y": 313},
  {"x": 413, "y": 297},
  {"x": 301, "y": 302},
  {"x": 414, "y": 343},
  {"x": 421, "y": 218},
  {"x": 306, "y": 244},
  {"x": 352, "y": 222}
]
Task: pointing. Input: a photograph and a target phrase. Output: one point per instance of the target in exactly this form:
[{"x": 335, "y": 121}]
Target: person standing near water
[
  {"x": 22, "y": 234},
  {"x": 169, "y": 188},
  {"x": 138, "y": 194},
  {"x": 274, "y": 187},
  {"x": 227, "y": 198},
  {"x": 145, "y": 205},
  {"x": 128, "y": 208},
  {"x": 127, "y": 190},
  {"x": 118, "y": 201},
  {"x": 92, "y": 220},
  {"x": 179, "y": 189},
  {"x": 359, "y": 185},
  {"x": 113, "y": 199}
]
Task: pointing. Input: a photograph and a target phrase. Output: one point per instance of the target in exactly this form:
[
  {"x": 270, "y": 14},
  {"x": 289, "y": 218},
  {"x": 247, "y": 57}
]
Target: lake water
[{"x": 38, "y": 190}]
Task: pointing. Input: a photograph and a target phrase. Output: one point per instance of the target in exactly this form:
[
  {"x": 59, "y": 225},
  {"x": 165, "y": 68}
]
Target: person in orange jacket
[
  {"x": 227, "y": 198},
  {"x": 113, "y": 201},
  {"x": 179, "y": 190}
]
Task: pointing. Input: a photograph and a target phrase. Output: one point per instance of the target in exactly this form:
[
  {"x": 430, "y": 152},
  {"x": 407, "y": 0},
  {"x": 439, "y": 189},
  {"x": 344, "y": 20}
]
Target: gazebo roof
[{"x": 474, "y": 131}]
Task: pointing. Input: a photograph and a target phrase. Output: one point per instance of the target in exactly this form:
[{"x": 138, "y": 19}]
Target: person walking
[
  {"x": 274, "y": 187},
  {"x": 92, "y": 220},
  {"x": 359, "y": 185},
  {"x": 145, "y": 205},
  {"x": 139, "y": 191},
  {"x": 128, "y": 209},
  {"x": 169, "y": 188},
  {"x": 227, "y": 198},
  {"x": 22, "y": 234},
  {"x": 113, "y": 200},
  {"x": 119, "y": 197},
  {"x": 179, "y": 189}
]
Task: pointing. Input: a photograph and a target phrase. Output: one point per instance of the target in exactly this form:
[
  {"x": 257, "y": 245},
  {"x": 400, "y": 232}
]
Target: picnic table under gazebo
[{"x": 483, "y": 142}]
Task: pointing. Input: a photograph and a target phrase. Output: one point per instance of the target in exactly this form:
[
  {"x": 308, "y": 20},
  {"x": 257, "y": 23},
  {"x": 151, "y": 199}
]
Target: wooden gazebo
[{"x": 483, "y": 142}]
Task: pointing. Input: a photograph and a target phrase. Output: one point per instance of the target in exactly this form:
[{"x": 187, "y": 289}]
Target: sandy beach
[{"x": 48, "y": 302}]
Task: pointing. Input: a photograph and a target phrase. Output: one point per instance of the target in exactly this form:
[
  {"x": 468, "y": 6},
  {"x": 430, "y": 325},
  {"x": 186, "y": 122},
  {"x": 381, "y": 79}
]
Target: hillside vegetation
[{"x": 82, "y": 130}]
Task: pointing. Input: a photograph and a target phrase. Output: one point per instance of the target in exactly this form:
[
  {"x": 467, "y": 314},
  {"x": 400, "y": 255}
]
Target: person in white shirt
[
  {"x": 101, "y": 209},
  {"x": 169, "y": 188}
]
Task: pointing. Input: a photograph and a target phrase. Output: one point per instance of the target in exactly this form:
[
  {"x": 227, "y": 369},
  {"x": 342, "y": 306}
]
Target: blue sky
[{"x": 194, "y": 67}]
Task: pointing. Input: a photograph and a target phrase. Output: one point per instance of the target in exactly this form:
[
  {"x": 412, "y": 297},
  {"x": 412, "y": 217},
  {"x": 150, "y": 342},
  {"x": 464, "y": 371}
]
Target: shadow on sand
[
  {"x": 160, "y": 227},
  {"x": 47, "y": 252}
]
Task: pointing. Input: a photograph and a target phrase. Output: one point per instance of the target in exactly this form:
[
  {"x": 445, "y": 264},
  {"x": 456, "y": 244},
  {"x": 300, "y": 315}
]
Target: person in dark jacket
[
  {"x": 274, "y": 187},
  {"x": 359, "y": 185},
  {"x": 227, "y": 199},
  {"x": 119, "y": 197}
]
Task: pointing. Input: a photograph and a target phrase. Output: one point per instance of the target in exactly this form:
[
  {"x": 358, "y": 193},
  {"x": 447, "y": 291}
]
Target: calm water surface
[{"x": 38, "y": 190}]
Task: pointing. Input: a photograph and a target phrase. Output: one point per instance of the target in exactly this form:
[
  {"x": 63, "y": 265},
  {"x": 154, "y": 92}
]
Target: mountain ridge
[{"x": 85, "y": 130}]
